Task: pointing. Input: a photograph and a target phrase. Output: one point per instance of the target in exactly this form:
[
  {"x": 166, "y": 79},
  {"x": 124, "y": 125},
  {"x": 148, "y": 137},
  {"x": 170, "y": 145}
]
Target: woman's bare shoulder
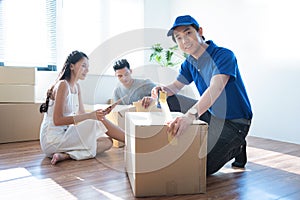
[{"x": 61, "y": 86}]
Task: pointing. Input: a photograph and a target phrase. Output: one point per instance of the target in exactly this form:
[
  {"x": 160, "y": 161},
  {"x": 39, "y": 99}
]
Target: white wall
[
  {"x": 95, "y": 89},
  {"x": 265, "y": 38}
]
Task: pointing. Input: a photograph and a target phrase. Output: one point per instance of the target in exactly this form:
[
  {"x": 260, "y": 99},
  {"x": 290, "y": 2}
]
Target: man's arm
[
  {"x": 171, "y": 89},
  {"x": 217, "y": 85}
]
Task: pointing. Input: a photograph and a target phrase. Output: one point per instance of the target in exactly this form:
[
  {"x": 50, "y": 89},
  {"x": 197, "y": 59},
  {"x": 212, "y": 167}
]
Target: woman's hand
[
  {"x": 179, "y": 125},
  {"x": 107, "y": 110},
  {"x": 100, "y": 114}
]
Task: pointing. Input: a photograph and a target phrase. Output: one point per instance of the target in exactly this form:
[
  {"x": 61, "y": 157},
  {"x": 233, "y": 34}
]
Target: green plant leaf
[
  {"x": 158, "y": 58},
  {"x": 169, "y": 55},
  {"x": 152, "y": 56},
  {"x": 157, "y": 48},
  {"x": 163, "y": 56},
  {"x": 174, "y": 48}
]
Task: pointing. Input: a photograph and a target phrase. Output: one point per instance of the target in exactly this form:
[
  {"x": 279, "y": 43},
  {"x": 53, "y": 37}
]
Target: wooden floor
[{"x": 273, "y": 172}]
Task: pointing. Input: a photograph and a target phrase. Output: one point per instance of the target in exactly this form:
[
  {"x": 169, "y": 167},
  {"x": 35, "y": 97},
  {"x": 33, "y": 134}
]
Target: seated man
[{"x": 129, "y": 89}]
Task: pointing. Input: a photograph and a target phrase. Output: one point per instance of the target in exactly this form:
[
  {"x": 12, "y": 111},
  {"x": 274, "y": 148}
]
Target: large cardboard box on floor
[
  {"x": 156, "y": 163},
  {"x": 20, "y": 122}
]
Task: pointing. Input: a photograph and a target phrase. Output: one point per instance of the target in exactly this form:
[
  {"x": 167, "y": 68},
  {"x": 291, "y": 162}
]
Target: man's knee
[
  {"x": 173, "y": 104},
  {"x": 180, "y": 103}
]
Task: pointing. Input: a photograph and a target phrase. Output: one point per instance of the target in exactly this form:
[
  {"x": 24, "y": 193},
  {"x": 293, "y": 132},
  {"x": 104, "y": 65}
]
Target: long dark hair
[{"x": 65, "y": 74}]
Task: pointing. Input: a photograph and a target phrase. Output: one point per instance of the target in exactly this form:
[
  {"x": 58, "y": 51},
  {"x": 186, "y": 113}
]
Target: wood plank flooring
[{"x": 273, "y": 172}]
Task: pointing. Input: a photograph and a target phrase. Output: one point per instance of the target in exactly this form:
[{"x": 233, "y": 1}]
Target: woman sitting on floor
[{"x": 67, "y": 131}]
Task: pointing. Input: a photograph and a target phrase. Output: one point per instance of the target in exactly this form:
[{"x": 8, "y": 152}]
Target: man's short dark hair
[{"x": 120, "y": 64}]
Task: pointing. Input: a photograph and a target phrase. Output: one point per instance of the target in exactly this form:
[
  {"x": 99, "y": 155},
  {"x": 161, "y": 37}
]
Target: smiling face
[
  {"x": 80, "y": 69},
  {"x": 189, "y": 40}
]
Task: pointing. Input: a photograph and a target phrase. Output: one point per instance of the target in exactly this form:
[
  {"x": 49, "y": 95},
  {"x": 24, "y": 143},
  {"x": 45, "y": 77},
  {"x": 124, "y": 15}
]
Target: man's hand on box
[{"x": 179, "y": 125}]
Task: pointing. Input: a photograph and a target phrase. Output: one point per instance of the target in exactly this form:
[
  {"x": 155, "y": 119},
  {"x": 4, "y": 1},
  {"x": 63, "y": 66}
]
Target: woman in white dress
[{"x": 67, "y": 131}]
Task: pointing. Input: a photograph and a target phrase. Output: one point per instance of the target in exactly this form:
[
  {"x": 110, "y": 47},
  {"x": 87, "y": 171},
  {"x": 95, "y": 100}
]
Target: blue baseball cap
[{"x": 184, "y": 20}]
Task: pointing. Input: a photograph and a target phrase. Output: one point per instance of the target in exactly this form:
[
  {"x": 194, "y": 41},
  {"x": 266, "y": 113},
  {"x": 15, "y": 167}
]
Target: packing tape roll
[{"x": 171, "y": 139}]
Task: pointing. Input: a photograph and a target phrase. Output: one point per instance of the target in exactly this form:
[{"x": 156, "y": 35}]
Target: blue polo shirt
[{"x": 233, "y": 103}]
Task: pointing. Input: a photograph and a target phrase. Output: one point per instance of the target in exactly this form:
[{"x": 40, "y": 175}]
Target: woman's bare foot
[
  {"x": 59, "y": 157},
  {"x": 104, "y": 144}
]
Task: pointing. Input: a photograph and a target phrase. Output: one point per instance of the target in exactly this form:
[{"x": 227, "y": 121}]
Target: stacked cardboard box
[
  {"x": 19, "y": 113},
  {"x": 19, "y": 122},
  {"x": 17, "y": 84}
]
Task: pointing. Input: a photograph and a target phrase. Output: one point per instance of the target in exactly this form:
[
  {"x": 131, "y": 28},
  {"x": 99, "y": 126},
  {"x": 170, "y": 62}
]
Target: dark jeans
[
  {"x": 225, "y": 137},
  {"x": 180, "y": 103}
]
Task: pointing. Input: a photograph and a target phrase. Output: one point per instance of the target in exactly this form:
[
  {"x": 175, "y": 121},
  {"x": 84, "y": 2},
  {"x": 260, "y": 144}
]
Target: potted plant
[{"x": 165, "y": 56}]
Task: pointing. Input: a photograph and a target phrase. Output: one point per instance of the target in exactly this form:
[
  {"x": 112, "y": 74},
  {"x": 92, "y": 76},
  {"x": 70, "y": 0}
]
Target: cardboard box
[
  {"x": 17, "y": 84},
  {"x": 17, "y": 75},
  {"x": 157, "y": 164},
  {"x": 17, "y": 93},
  {"x": 151, "y": 108},
  {"x": 20, "y": 122},
  {"x": 117, "y": 116}
]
